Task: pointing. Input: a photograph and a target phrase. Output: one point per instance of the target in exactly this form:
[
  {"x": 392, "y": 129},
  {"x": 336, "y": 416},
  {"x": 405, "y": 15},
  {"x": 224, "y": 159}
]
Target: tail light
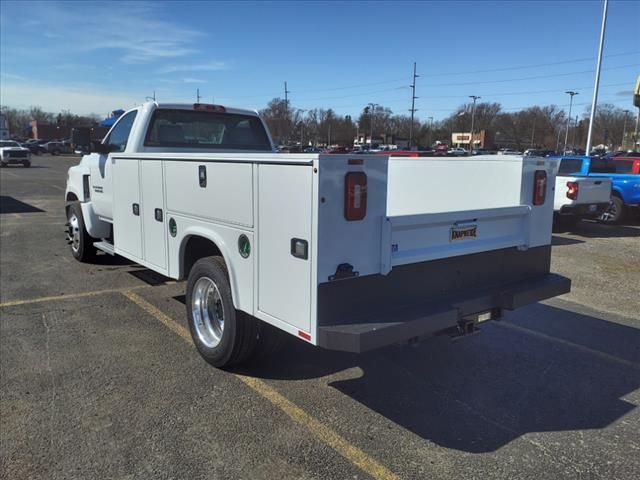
[
  {"x": 540, "y": 187},
  {"x": 355, "y": 196},
  {"x": 572, "y": 190}
]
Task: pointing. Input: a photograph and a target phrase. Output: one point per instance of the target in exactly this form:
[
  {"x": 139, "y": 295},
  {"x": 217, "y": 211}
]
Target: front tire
[
  {"x": 79, "y": 240},
  {"x": 223, "y": 335},
  {"x": 26, "y": 164}
]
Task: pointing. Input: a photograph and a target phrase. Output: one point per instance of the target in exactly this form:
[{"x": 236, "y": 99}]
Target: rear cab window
[
  {"x": 569, "y": 166},
  {"x": 206, "y": 130},
  {"x": 601, "y": 165}
]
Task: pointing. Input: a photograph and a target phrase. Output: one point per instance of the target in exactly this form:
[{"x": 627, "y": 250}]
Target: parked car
[
  {"x": 56, "y": 148},
  {"x": 577, "y": 195},
  {"x": 33, "y": 147},
  {"x": 12, "y": 153},
  {"x": 534, "y": 152},
  {"x": 509, "y": 151},
  {"x": 483, "y": 151},
  {"x": 458, "y": 151},
  {"x": 626, "y": 188},
  {"x": 40, "y": 143}
]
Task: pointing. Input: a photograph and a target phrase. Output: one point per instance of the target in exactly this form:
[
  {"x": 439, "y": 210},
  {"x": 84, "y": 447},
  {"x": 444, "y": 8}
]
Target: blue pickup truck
[{"x": 624, "y": 173}]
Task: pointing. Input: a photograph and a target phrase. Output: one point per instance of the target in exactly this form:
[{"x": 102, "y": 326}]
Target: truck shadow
[
  {"x": 591, "y": 229},
  {"x": 546, "y": 370},
  {"x": 13, "y": 205}
]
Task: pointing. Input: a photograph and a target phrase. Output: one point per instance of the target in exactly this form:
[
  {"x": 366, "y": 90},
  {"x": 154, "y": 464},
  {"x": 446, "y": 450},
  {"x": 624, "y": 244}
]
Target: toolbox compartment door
[{"x": 284, "y": 231}]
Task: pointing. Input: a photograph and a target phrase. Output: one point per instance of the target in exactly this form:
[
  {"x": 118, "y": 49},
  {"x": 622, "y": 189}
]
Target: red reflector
[
  {"x": 572, "y": 190},
  {"x": 355, "y": 161},
  {"x": 207, "y": 107},
  {"x": 355, "y": 196},
  {"x": 540, "y": 187},
  {"x": 304, "y": 335}
]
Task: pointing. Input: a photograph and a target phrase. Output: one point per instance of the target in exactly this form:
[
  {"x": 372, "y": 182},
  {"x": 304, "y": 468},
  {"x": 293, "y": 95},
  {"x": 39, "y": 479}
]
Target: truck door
[
  {"x": 101, "y": 166},
  {"x": 153, "y": 214}
]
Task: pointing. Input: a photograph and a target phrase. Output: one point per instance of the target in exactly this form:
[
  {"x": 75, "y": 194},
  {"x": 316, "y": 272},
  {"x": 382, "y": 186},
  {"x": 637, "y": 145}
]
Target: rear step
[
  {"x": 455, "y": 316},
  {"x": 105, "y": 246}
]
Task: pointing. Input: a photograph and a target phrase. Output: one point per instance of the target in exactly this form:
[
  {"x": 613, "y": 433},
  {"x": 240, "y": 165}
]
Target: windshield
[
  {"x": 197, "y": 129},
  {"x": 6, "y": 143}
]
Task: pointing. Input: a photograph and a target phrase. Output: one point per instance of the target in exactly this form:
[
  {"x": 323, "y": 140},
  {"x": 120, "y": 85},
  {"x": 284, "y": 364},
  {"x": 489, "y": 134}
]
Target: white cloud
[
  {"x": 54, "y": 98},
  {"x": 132, "y": 29},
  {"x": 198, "y": 67}
]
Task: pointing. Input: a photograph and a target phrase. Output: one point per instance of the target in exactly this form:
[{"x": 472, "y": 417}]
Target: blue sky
[{"x": 93, "y": 57}]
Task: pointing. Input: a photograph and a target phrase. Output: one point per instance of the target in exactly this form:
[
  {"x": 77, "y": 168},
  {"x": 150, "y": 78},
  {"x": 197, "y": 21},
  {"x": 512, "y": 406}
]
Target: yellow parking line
[
  {"x": 323, "y": 433},
  {"x": 582, "y": 348},
  {"x": 28, "y": 301}
]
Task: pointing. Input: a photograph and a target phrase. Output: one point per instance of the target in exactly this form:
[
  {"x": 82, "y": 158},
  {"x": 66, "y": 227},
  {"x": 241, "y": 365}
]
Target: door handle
[
  {"x": 158, "y": 214},
  {"x": 202, "y": 176},
  {"x": 136, "y": 209}
]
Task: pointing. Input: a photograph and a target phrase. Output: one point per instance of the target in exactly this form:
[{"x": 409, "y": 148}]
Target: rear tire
[
  {"x": 80, "y": 241},
  {"x": 223, "y": 335},
  {"x": 615, "y": 213}
]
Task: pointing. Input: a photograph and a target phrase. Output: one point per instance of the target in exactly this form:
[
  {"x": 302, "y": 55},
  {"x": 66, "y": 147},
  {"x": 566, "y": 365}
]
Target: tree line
[
  {"x": 533, "y": 127},
  {"x": 18, "y": 119}
]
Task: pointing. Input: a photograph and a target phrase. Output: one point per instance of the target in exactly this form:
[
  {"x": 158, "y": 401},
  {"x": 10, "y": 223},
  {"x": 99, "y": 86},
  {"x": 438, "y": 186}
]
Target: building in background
[
  {"x": 4, "y": 128},
  {"x": 481, "y": 139}
]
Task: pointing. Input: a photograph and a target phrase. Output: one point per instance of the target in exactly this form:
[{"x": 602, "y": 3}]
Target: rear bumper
[
  {"x": 432, "y": 318},
  {"x": 586, "y": 210}
]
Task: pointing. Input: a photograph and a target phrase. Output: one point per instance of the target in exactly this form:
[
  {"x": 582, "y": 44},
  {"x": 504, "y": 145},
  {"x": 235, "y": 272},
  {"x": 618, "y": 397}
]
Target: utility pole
[
  {"x": 197, "y": 95},
  {"x": 473, "y": 117},
  {"x": 413, "y": 104},
  {"x": 533, "y": 132},
  {"x": 566, "y": 135},
  {"x": 430, "y": 129},
  {"x": 624, "y": 128},
  {"x": 372, "y": 112},
  {"x": 594, "y": 101},
  {"x": 286, "y": 112}
]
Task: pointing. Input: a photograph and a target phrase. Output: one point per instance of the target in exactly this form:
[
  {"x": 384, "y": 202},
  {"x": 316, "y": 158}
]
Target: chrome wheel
[
  {"x": 611, "y": 214},
  {"x": 207, "y": 311},
  {"x": 73, "y": 233}
]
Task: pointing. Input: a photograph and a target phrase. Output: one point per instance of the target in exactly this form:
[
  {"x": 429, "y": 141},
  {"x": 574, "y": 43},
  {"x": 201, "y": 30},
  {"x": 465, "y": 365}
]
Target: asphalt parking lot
[{"x": 100, "y": 380}]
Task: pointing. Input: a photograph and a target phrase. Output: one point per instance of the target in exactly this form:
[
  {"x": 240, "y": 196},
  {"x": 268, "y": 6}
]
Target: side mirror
[{"x": 102, "y": 148}]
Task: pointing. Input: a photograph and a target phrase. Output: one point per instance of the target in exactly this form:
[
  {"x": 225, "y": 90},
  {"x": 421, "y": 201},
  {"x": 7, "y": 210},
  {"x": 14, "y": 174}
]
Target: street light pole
[
  {"x": 624, "y": 128},
  {"x": 594, "y": 101},
  {"x": 473, "y": 117},
  {"x": 430, "y": 129},
  {"x": 566, "y": 136},
  {"x": 372, "y": 110}
]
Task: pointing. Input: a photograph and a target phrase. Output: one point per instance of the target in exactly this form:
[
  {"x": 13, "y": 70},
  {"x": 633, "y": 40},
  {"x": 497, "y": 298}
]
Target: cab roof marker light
[{"x": 207, "y": 107}]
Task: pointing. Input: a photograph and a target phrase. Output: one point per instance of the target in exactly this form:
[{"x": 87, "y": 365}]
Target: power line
[
  {"x": 441, "y": 74},
  {"x": 537, "y": 77}
]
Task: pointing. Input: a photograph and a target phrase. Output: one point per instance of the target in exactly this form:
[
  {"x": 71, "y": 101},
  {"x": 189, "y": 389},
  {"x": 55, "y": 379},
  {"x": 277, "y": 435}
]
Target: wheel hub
[
  {"x": 73, "y": 233},
  {"x": 207, "y": 311}
]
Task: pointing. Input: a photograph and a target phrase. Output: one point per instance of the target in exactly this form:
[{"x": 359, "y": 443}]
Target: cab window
[{"x": 120, "y": 133}]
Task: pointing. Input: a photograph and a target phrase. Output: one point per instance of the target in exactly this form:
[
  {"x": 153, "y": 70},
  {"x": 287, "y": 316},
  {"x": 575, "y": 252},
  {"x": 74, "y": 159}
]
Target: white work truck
[{"x": 347, "y": 252}]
